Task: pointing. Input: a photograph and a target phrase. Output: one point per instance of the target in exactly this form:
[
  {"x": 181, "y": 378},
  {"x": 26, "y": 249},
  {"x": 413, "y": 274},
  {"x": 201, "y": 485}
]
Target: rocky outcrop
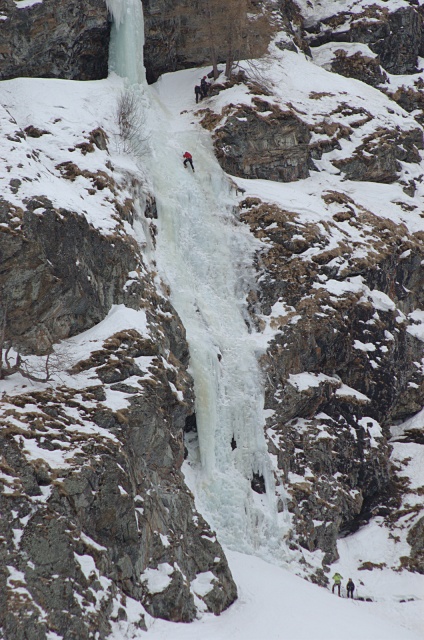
[
  {"x": 176, "y": 37},
  {"x": 396, "y": 37},
  {"x": 50, "y": 39},
  {"x": 341, "y": 365},
  {"x": 378, "y": 157},
  {"x": 263, "y": 142},
  {"x": 100, "y": 517},
  {"x": 410, "y": 98},
  {"x": 60, "y": 275},
  {"x": 358, "y": 66}
]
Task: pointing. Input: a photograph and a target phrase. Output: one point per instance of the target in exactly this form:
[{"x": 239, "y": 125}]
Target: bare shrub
[
  {"x": 131, "y": 123},
  {"x": 45, "y": 368},
  {"x": 36, "y": 368}
]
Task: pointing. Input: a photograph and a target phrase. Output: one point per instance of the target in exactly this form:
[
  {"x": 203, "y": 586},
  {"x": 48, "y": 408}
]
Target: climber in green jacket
[{"x": 337, "y": 582}]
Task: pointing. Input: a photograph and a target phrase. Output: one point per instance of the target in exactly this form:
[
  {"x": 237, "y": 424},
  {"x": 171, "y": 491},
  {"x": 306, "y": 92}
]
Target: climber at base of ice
[
  {"x": 350, "y": 588},
  {"x": 188, "y": 158},
  {"x": 337, "y": 582}
]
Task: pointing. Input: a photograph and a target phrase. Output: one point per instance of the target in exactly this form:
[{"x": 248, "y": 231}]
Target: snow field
[{"x": 275, "y": 605}]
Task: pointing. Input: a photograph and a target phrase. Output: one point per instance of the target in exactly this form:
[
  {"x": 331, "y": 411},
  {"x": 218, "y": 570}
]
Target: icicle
[{"x": 116, "y": 9}]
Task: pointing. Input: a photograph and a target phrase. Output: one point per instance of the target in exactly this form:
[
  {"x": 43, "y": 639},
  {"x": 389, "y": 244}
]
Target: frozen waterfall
[
  {"x": 205, "y": 256},
  {"x": 126, "y": 40}
]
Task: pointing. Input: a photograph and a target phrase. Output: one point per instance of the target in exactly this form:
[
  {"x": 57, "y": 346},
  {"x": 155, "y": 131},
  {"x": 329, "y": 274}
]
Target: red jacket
[{"x": 187, "y": 155}]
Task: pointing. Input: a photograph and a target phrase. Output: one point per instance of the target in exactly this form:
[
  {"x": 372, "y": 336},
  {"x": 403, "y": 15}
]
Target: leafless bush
[
  {"x": 36, "y": 368},
  {"x": 131, "y": 124},
  {"x": 45, "y": 368},
  {"x": 255, "y": 74}
]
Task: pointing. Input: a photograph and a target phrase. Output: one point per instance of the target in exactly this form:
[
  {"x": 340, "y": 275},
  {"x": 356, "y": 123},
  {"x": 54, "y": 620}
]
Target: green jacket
[{"x": 337, "y": 578}]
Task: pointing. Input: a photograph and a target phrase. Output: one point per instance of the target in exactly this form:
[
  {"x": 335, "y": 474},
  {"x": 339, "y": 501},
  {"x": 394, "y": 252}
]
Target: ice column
[{"x": 127, "y": 40}]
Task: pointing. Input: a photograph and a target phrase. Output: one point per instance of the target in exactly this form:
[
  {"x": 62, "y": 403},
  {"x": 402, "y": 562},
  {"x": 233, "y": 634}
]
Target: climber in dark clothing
[
  {"x": 350, "y": 588},
  {"x": 188, "y": 158},
  {"x": 204, "y": 86},
  {"x": 198, "y": 92}
]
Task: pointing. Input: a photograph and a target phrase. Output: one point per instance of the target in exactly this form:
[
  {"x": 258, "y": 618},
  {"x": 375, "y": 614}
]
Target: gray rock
[
  {"x": 59, "y": 276},
  {"x": 415, "y": 538},
  {"x": 91, "y": 529},
  {"x": 272, "y": 146},
  {"x": 378, "y": 157},
  {"x": 52, "y": 39},
  {"x": 337, "y": 474},
  {"x": 396, "y": 37},
  {"x": 175, "y": 38},
  {"x": 360, "y": 67}
]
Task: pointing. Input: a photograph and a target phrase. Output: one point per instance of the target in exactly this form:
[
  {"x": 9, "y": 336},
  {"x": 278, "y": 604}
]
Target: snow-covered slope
[{"x": 277, "y": 605}]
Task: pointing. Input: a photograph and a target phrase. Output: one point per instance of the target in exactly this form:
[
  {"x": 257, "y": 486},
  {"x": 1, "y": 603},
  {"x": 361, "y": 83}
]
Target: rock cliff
[
  {"x": 339, "y": 283},
  {"x": 342, "y": 367},
  {"x": 98, "y": 528},
  {"x": 395, "y": 36},
  {"x": 51, "y": 39},
  {"x": 62, "y": 40}
]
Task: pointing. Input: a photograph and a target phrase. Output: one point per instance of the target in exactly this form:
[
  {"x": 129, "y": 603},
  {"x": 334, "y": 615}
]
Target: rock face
[
  {"x": 396, "y": 37},
  {"x": 263, "y": 142},
  {"x": 59, "y": 275},
  {"x": 331, "y": 395},
  {"x": 378, "y": 157},
  {"x": 98, "y": 527},
  {"x": 175, "y": 36},
  {"x": 359, "y": 66},
  {"x": 52, "y": 39}
]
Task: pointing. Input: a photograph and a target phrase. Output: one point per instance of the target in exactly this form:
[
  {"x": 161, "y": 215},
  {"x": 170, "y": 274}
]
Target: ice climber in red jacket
[{"x": 188, "y": 158}]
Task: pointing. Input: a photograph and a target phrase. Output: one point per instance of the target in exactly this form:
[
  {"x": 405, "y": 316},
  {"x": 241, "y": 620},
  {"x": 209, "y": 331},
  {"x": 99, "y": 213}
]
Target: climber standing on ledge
[
  {"x": 198, "y": 93},
  {"x": 337, "y": 582},
  {"x": 188, "y": 158},
  {"x": 204, "y": 86}
]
